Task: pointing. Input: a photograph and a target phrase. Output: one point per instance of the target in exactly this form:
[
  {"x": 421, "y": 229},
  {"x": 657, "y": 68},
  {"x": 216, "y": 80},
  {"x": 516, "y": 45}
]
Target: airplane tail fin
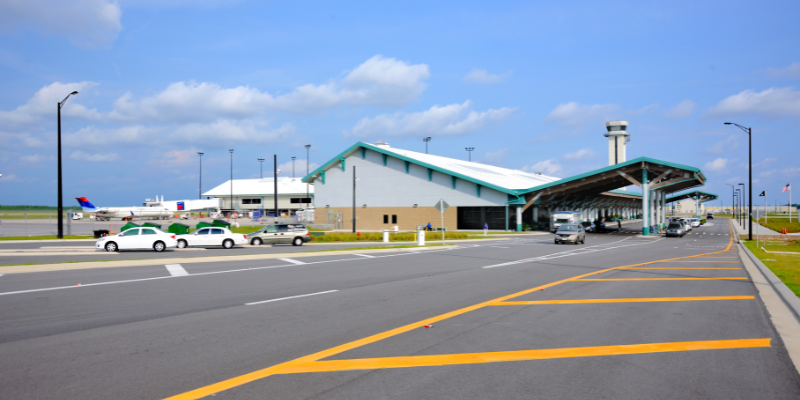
[{"x": 86, "y": 205}]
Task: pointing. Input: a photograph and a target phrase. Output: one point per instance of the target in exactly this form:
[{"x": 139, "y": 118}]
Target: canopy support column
[{"x": 645, "y": 200}]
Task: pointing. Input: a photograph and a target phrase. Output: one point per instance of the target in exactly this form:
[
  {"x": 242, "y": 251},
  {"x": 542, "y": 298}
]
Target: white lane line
[
  {"x": 364, "y": 255},
  {"x": 289, "y": 260},
  {"x": 176, "y": 270},
  {"x": 575, "y": 252},
  {"x": 290, "y": 297}
]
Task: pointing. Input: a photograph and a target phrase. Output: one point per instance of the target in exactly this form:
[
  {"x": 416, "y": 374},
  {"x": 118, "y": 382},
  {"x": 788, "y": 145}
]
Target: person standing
[
  {"x": 485, "y": 228},
  {"x": 619, "y": 225}
]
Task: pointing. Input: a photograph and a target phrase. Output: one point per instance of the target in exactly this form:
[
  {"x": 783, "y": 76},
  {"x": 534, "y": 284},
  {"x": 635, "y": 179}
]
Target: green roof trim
[
  {"x": 453, "y": 178},
  {"x": 407, "y": 163},
  {"x": 692, "y": 195},
  {"x": 430, "y": 175},
  {"x": 363, "y": 153},
  {"x": 342, "y": 161}
]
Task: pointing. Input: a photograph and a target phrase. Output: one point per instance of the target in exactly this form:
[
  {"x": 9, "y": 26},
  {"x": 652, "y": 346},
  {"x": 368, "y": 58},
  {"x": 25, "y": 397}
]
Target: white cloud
[
  {"x": 379, "y": 81},
  {"x": 86, "y": 23},
  {"x": 681, "y": 111},
  {"x": 286, "y": 168},
  {"x": 642, "y": 111},
  {"x": 448, "y": 120},
  {"x": 34, "y": 159},
  {"x": 718, "y": 165},
  {"x": 766, "y": 162},
  {"x": 10, "y": 178},
  {"x": 777, "y": 102},
  {"x": 44, "y": 104},
  {"x": 724, "y": 146},
  {"x": 494, "y": 157},
  {"x": 582, "y": 154},
  {"x": 97, "y": 157},
  {"x": 484, "y": 77},
  {"x": 547, "y": 167},
  {"x": 573, "y": 113},
  {"x": 792, "y": 71}
]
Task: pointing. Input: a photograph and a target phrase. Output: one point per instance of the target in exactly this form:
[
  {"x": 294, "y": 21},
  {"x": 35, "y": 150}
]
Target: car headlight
[{"x": 572, "y": 236}]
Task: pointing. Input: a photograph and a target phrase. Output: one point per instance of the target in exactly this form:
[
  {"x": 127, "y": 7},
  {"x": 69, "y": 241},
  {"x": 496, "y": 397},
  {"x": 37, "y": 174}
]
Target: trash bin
[
  {"x": 100, "y": 233},
  {"x": 127, "y": 226},
  {"x": 178, "y": 229},
  {"x": 421, "y": 237},
  {"x": 152, "y": 225},
  {"x": 222, "y": 224},
  {"x": 202, "y": 225}
]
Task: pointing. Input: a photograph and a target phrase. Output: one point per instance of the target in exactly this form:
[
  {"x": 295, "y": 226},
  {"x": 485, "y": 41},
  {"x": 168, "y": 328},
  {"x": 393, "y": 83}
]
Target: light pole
[
  {"x": 750, "y": 182},
  {"x": 739, "y": 206},
  {"x": 308, "y": 196},
  {"x": 60, "y": 182},
  {"x": 275, "y": 186},
  {"x": 293, "y": 158},
  {"x": 231, "y": 150},
  {"x": 200, "y": 185},
  {"x": 733, "y": 199},
  {"x": 469, "y": 151},
  {"x": 261, "y": 167},
  {"x": 426, "y": 140},
  {"x": 354, "y": 198},
  {"x": 744, "y": 204}
]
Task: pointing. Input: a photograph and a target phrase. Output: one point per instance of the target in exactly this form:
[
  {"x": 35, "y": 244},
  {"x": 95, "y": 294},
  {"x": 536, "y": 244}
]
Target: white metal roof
[
  {"x": 260, "y": 187},
  {"x": 512, "y": 179}
]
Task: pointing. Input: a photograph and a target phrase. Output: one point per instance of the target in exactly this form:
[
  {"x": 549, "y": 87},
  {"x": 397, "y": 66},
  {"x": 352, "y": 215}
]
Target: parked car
[
  {"x": 695, "y": 222},
  {"x": 138, "y": 238},
  {"x": 676, "y": 229},
  {"x": 211, "y": 236},
  {"x": 570, "y": 233},
  {"x": 687, "y": 225},
  {"x": 296, "y": 234}
]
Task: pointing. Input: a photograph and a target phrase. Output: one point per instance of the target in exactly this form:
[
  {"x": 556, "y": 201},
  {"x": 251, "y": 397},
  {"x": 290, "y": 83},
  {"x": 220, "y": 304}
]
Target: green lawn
[
  {"x": 785, "y": 266},
  {"x": 777, "y": 225}
]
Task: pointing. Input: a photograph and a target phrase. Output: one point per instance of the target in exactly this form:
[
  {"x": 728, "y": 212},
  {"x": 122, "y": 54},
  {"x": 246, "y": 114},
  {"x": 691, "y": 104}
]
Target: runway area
[{"x": 620, "y": 317}]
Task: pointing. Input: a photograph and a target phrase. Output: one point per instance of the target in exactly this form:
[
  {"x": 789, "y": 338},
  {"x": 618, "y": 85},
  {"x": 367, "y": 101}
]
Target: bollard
[
  {"x": 385, "y": 236},
  {"x": 420, "y": 237}
]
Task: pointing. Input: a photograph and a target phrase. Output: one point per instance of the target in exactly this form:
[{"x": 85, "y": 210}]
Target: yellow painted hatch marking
[
  {"x": 519, "y": 355},
  {"x": 633, "y": 300},
  {"x": 680, "y": 268},
  {"x": 657, "y": 279},
  {"x": 702, "y": 261}
]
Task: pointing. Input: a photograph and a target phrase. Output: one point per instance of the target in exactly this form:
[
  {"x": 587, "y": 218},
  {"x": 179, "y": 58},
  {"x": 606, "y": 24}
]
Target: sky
[{"x": 529, "y": 86}]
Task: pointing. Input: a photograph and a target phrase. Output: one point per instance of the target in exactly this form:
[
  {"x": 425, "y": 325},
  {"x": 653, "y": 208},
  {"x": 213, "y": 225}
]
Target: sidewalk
[{"x": 757, "y": 229}]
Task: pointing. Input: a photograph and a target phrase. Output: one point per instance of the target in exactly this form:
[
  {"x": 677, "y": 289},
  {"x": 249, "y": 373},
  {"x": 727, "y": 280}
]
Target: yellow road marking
[
  {"x": 656, "y": 279},
  {"x": 276, "y": 369},
  {"x": 682, "y": 268},
  {"x": 634, "y": 300},
  {"x": 703, "y": 261},
  {"x": 520, "y": 355}
]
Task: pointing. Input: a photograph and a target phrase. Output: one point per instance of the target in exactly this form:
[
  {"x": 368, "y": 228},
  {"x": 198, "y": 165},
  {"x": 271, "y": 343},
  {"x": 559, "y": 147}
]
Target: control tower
[{"x": 618, "y": 136}]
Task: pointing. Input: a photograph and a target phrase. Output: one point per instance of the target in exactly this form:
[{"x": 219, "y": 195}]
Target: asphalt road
[{"x": 141, "y": 333}]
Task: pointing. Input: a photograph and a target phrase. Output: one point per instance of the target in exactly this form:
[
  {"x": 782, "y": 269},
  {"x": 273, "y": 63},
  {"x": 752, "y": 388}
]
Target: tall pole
[
  {"x": 293, "y": 158},
  {"x": 231, "y": 150},
  {"x": 426, "y": 140},
  {"x": 469, "y": 151},
  {"x": 354, "y": 199},
  {"x": 275, "y": 174},
  {"x": 308, "y": 196},
  {"x": 733, "y": 201},
  {"x": 200, "y": 184},
  {"x": 750, "y": 184},
  {"x": 744, "y": 204},
  {"x": 261, "y": 167},
  {"x": 60, "y": 181}
]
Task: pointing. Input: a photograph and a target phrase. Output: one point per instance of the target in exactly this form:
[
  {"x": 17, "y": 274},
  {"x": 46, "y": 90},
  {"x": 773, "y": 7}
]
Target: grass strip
[{"x": 785, "y": 266}]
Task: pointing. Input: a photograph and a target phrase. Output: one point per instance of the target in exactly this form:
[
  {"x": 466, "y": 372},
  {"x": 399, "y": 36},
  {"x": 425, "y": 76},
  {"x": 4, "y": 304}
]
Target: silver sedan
[{"x": 570, "y": 233}]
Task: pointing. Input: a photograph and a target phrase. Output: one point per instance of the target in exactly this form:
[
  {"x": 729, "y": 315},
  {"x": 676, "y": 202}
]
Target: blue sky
[{"x": 528, "y": 85}]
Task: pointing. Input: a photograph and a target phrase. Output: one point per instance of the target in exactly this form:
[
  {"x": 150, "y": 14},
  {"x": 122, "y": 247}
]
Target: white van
[{"x": 564, "y": 217}]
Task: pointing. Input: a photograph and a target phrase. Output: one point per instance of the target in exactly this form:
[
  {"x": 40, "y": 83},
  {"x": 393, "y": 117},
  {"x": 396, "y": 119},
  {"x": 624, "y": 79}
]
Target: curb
[{"x": 788, "y": 297}]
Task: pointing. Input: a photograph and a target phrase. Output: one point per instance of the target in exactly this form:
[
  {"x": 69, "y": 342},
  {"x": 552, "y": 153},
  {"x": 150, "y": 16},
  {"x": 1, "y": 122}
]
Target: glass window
[
  {"x": 203, "y": 231},
  {"x": 562, "y": 221},
  {"x": 568, "y": 228},
  {"x": 148, "y": 232},
  {"x": 272, "y": 229},
  {"x": 217, "y": 231},
  {"x": 283, "y": 228},
  {"x": 245, "y": 201},
  {"x": 385, "y": 219},
  {"x": 394, "y": 219},
  {"x": 131, "y": 232},
  {"x": 298, "y": 228}
]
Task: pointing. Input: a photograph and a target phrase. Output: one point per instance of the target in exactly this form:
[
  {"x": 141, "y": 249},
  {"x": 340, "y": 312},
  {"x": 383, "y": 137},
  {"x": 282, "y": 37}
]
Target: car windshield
[
  {"x": 675, "y": 226},
  {"x": 568, "y": 228},
  {"x": 562, "y": 221}
]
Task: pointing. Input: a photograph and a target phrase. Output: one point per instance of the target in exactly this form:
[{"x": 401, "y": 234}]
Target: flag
[
  {"x": 787, "y": 187},
  {"x": 764, "y": 193}
]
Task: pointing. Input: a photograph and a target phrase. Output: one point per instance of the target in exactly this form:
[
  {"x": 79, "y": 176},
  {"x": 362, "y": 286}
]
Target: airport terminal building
[{"x": 248, "y": 195}]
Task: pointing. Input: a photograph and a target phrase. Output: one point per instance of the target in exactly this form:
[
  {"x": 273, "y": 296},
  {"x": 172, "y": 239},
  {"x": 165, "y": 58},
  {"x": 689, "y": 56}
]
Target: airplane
[{"x": 126, "y": 213}]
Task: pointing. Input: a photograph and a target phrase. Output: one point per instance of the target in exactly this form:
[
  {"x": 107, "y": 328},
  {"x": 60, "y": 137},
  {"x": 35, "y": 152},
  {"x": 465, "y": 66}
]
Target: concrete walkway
[{"x": 757, "y": 229}]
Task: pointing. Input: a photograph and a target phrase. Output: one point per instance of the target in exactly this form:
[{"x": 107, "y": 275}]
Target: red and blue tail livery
[{"x": 86, "y": 205}]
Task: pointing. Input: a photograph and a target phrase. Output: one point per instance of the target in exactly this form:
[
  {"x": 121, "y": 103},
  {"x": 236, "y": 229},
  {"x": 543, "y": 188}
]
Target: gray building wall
[{"x": 391, "y": 186}]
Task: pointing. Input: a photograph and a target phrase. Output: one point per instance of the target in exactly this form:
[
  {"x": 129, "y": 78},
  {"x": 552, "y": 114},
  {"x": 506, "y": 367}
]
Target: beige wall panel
[{"x": 371, "y": 218}]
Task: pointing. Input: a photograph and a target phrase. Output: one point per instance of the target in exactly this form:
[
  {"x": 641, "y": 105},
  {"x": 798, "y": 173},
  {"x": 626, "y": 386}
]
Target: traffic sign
[{"x": 441, "y": 205}]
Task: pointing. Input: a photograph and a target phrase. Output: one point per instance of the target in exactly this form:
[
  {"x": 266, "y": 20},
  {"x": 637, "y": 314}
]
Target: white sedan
[
  {"x": 138, "y": 238},
  {"x": 214, "y": 236}
]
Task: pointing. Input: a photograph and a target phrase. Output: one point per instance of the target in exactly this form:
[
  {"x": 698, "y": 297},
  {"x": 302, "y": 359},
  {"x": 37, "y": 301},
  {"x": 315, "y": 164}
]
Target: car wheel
[
  {"x": 159, "y": 246},
  {"x": 297, "y": 241},
  {"x": 111, "y": 246},
  {"x": 256, "y": 242},
  {"x": 227, "y": 244},
  {"x": 182, "y": 244}
]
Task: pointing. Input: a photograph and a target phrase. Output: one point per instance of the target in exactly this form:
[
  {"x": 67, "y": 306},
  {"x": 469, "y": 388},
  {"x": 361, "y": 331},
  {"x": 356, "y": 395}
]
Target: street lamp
[
  {"x": 744, "y": 202},
  {"x": 60, "y": 184},
  {"x": 739, "y": 208},
  {"x": 750, "y": 182},
  {"x": 308, "y": 196},
  {"x": 469, "y": 150},
  {"x": 231, "y": 150},
  {"x": 261, "y": 167},
  {"x": 733, "y": 200},
  {"x": 200, "y": 185},
  {"x": 426, "y": 140},
  {"x": 293, "y": 158}
]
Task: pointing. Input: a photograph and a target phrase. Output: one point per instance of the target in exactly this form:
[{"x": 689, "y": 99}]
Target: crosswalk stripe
[
  {"x": 176, "y": 270},
  {"x": 289, "y": 260}
]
